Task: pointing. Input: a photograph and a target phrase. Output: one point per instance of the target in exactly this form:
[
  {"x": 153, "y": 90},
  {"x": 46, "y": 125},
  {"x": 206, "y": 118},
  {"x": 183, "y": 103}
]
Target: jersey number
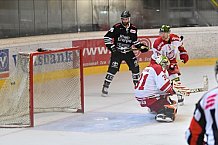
[{"x": 143, "y": 80}]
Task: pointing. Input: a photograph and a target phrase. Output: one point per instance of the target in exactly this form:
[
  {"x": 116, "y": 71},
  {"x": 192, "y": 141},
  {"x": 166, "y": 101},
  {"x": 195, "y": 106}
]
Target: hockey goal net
[{"x": 48, "y": 81}]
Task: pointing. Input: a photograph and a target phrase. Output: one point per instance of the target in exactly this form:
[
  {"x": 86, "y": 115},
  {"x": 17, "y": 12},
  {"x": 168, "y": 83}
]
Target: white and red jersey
[
  {"x": 153, "y": 82},
  {"x": 205, "y": 120},
  {"x": 169, "y": 48}
]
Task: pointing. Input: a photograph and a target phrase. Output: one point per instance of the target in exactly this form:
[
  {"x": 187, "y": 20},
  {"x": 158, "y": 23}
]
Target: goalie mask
[
  {"x": 216, "y": 71},
  {"x": 163, "y": 61}
]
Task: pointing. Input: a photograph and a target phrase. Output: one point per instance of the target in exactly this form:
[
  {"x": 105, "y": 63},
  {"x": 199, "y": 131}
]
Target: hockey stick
[
  {"x": 186, "y": 91},
  {"x": 138, "y": 49},
  {"x": 204, "y": 88}
]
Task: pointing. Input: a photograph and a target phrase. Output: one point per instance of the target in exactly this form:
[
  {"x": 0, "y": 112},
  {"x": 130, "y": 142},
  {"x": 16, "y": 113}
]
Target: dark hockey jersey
[{"x": 123, "y": 38}]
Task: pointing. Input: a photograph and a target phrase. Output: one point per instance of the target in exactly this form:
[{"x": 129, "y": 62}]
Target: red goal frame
[{"x": 31, "y": 106}]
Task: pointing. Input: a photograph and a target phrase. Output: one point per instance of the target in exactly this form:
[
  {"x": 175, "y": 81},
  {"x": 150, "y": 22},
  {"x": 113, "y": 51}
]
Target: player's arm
[
  {"x": 195, "y": 133},
  {"x": 108, "y": 39},
  {"x": 183, "y": 52},
  {"x": 155, "y": 50},
  {"x": 163, "y": 82}
]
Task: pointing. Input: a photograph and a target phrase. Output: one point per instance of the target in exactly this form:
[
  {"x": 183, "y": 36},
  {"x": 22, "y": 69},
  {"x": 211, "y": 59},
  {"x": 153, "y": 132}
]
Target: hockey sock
[
  {"x": 135, "y": 77},
  {"x": 108, "y": 79}
]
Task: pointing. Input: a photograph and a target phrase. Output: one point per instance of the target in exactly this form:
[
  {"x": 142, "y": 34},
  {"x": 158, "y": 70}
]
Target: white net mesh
[
  {"x": 56, "y": 86},
  {"x": 14, "y": 100}
]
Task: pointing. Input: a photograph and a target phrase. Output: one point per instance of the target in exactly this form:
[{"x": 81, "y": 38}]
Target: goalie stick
[
  {"x": 186, "y": 91},
  {"x": 204, "y": 88}
]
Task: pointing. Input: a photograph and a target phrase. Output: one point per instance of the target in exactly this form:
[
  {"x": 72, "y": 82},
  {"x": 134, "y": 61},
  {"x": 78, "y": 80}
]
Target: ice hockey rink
[{"x": 114, "y": 120}]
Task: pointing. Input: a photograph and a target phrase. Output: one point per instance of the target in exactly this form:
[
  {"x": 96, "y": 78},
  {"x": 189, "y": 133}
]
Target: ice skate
[
  {"x": 167, "y": 114},
  {"x": 104, "y": 91},
  {"x": 180, "y": 99},
  {"x": 164, "y": 118}
]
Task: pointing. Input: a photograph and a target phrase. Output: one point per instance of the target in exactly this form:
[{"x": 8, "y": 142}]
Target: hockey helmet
[
  {"x": 125, "y": 14},
  {"x": 163, "y": 61},
  {"x": 216, "y": 71},
  {"x": 165, "y": 28}
]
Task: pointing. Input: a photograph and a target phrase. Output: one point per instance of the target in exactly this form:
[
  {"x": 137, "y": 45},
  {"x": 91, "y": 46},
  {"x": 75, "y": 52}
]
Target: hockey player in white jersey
[
  {"x": 169, "y": 45},
  {"x": 205, "y": 120},
  {"x": 154, "y": 90}
]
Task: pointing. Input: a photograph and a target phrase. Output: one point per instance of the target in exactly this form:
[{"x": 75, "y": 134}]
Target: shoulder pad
[
  {"x": 117, "y": 25},
  {"x": 174, "y": 37},
  {"x": 157, "y": 68},
  {"x": 132, "y": 25},
  {"x": 157, "y": 42}
]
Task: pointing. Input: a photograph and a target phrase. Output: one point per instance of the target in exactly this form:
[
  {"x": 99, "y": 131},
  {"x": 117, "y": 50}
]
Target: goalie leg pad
[{"x": 155, "y": 104}]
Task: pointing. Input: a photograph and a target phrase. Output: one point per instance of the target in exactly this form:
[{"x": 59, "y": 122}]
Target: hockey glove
[
  {"x": 173, "y": 69},
  {"x": 112, "y": 48},
  {"x": 40, "y": 50},
  {"x": 184, "y": 57},
  {"x": 183, "y": 54},
  {"x": 172, "y": 66},
  {"x": 142, "y": 47}
]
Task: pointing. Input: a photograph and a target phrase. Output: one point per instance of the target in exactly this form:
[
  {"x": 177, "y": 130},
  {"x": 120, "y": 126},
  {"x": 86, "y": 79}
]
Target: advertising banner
[
  {"x": 4, "y": 63},
  {"x": 96, "y": 54}
]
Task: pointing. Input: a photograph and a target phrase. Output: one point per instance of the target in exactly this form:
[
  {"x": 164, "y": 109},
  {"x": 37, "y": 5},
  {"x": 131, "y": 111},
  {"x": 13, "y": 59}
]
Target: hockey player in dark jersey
[
  {"x": 203, "y": 127},
  {"x": 120, "y": 40}
]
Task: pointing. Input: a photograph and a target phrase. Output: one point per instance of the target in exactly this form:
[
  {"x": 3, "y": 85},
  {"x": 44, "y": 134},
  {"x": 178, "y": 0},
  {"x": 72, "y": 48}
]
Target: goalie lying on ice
[{"x": 154, "y": 90}]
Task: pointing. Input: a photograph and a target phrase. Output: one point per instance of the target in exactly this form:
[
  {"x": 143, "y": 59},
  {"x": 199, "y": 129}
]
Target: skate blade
[
  {"x": 104, "y": 95},
  {"x": 181, "y": 103},
  {"x": 166, "y": 119}
]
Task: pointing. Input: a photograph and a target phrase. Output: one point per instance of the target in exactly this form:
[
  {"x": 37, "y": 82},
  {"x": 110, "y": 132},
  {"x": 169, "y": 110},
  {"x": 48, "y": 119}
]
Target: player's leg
[
  {"x": 174, "y": 74},
  {"x": 133, "y": 65},
  {"x": 114, "y": 66},
  {"x": 165, "y": 108}
]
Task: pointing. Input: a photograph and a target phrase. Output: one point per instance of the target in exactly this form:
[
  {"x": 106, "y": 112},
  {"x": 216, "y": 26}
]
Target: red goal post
[{"x": 46, "y": 81}]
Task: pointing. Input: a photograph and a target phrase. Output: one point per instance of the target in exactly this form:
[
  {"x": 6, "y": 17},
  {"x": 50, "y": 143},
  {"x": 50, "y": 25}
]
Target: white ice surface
[{"x": 114, "y": 120}]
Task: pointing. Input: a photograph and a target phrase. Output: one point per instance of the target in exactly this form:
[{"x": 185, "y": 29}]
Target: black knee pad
[
  {"x": 135, "y": 70},
  {"x": 112, "y": 70}
]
